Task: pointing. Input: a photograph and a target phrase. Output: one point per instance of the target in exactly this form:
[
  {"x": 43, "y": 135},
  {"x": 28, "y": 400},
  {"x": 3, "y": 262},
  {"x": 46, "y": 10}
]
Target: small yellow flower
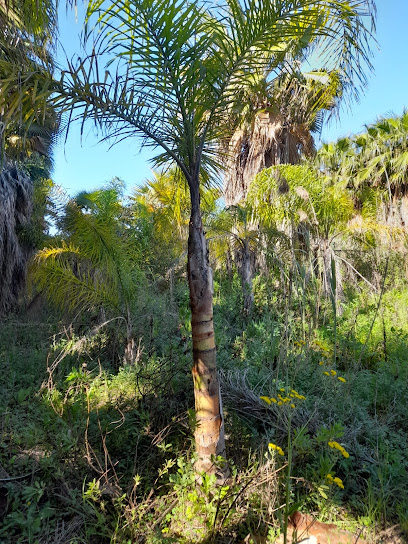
[
  {"x": 326, "y": 373},
  {"x": 339, "y": 447},
  {"x": 301, "y": 397},
  {"x": 266, "y": 399},
  {"x": 333, "y": 372},
  {"x": 321, "y": 363},
  {"x": 278, "y": 449},
  {"x": 341, "y": 379},
  {"x": 282, "y": 389},
  {"x": 274, "y": 400},
  {"x": 338, "y": 482},
  {"x": 329, "y": 477},
  {"x": 280, "y": 403},
  {"x": 292, "y": 406}
]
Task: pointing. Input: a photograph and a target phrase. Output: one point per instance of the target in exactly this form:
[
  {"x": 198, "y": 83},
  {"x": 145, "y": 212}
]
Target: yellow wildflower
[
  {"x": 338, "y": 482},
  {"x": 274, "y": 400},
  {"x": 321, "y": 363},
  {"x": 339, "y": 447},
  {"x": 326, "y": 373},
  {"x": 333, "y": 372},
  {"x": 280, "y": 403},
  {"x": 292, "y": 405},
  {"x": 341, "y": 379},
  {"x": 282, "y": 389},
  {"x": 266, "y": 399},
  {"x": 278, "y": 449}
]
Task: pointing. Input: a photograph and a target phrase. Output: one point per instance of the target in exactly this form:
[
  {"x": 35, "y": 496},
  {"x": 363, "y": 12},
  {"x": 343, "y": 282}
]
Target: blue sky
[{"x": 91, "y": 164}]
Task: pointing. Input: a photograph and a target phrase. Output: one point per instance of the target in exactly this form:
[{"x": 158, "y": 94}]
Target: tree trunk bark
[{"x": 209, "y": 433}]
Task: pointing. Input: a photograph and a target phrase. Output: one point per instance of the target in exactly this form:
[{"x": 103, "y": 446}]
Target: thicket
[{"x": 97, "y": 441}]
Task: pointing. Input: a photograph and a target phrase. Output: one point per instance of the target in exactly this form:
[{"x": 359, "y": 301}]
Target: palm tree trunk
[{"x": 209, "y": 433}]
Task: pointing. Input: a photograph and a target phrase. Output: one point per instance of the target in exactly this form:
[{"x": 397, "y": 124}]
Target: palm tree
[
  {"x": 231, "y": 230},
  {"x": 312, "y": 209},
  {"x": 27, "y": 123},
  {"x": 172, "y": 89},
  {"x": 15, "y": 213},
  {"x": 93, "y": 266},
  {"x": 27, "y": 30},
  {"x": 167, "y": 197},
  {"x": 280, "y": 117},
  {"x": 373, "y": 163}
]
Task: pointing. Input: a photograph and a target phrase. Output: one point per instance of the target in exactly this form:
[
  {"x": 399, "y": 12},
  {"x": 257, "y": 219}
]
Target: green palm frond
[
  {"x": 172, "y": 88},
  {"x": 53, "y": 272},
  {"x": 97, "y": 265},
  {"x": 377, "y": 157}
]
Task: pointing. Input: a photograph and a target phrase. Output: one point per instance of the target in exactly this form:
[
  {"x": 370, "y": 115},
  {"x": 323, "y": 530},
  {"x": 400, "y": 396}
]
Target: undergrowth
[{"x": 94, "y": 451}]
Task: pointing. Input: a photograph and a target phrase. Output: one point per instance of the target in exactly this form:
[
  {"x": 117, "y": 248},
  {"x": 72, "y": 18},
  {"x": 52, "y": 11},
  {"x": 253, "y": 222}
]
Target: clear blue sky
[{"x": 88, "y": 166}]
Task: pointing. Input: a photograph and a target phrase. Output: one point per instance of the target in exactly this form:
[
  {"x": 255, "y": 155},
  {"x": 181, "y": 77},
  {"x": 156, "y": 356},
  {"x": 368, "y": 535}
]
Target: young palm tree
[
  {"x": 172, "y": 71},
  {"x": 93, "y": 268},
  {"x": 167, "y": 197}
]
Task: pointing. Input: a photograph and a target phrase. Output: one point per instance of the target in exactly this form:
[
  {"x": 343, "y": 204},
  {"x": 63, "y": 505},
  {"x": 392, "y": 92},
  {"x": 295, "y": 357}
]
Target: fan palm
[
  {"x": 374, "y": 163},
  {"x": 26, "y": 28},
  {"x": 277, "y": 127},
  {"x": 232, "y": 230},
  {"x": 172, "y": 71},
  {"x": 295, "y": 197},
  {"x": 15, "y": 211}
]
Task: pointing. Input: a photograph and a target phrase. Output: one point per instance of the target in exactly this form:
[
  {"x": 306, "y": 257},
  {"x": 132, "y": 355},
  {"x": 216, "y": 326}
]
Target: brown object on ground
[{"x": 304, "y": 528}]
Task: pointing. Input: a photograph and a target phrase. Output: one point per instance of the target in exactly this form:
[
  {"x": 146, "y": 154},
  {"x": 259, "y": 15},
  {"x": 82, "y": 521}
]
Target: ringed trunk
[{"x": 209, "y": 433}]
